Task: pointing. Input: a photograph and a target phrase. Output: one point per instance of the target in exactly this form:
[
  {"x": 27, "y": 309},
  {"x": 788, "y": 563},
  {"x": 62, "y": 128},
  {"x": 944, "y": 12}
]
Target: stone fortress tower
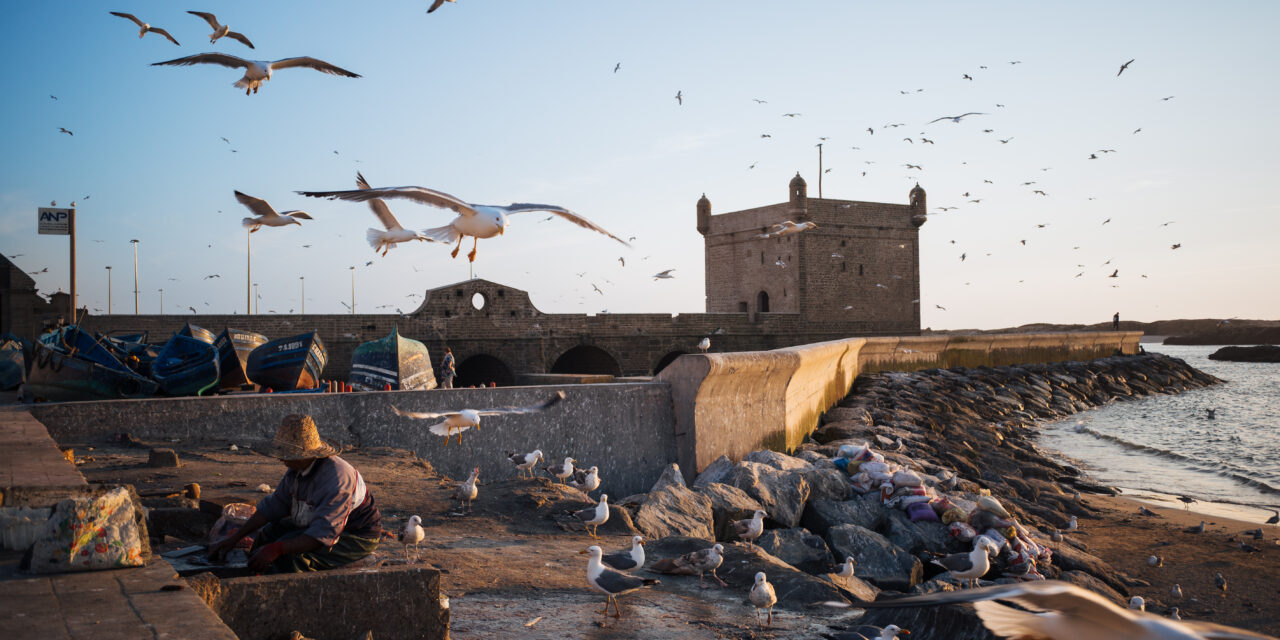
[{"x": 860, "y": 266}]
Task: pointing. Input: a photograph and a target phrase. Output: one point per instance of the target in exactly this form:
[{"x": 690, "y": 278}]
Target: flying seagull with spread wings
[
  {"x": 267, "y": 216},
  {"x": 475, "y": 220},
  {"x": 459, "y": 421},
  {"x": 144, "y": 27},
  {"x": 436, "y": 5},
  {"x": 256, "y": 71},
  {"x": 221, "y": 30},
  {"x": 957, "y": 118},
  {"x": 385, "y": 241}
]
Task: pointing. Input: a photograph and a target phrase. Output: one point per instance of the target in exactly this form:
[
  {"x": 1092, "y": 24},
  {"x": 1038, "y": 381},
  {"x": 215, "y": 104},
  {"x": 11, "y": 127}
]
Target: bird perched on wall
[
  {"x": 267, "y": 216},
  {"x": 751, "y": 528},
  {"x": 467, "y": 490},
  {"x": 525, "y": 461},
  {"x": 704, "y": 344},
  {"x": 694, "y": 563},
  {"x": 595, "y": 516},
  {"x": 386, "y": 240},
  {"x": 464, "y": 419},
  {"x": 412, "y": 534},
  {"x": 143, "y": 27},
  {"x": 970, "y": 566},
  {"x": 609, "y": 582},
  {"x": 221, "y": 30},
  {"x": 563, "y": 470},
  {"x": 787, "y": 228},
  {"x": 475, "y": 220},
  {"x": 763, "y": 597},
  {"x": 627, "y": 559},
  {"x": 587, "y": 481}
]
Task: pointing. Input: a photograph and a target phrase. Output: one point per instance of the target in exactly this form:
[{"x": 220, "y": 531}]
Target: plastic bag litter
[
  {"x": 960, "y": 531},
  {"x": 921, "y": 512},
  {"x": 234, "y": 516}
]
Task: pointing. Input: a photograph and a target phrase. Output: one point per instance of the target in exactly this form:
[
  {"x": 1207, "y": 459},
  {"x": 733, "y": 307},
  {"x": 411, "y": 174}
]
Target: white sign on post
[{"x": 54, "y": 222}]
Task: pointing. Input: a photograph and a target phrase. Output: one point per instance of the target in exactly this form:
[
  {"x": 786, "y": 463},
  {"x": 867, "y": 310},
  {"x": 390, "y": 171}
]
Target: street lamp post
[
  {"x": 303, "y": 281},
  {"x": 135, "y": 275},
  {"x": 255, "y": 298},
  {"x": 248, "y": 271},
  {"x": 162, "y": 302},
  {"x": 108, "y": 289},
  {"x": 353, "y": 290}
]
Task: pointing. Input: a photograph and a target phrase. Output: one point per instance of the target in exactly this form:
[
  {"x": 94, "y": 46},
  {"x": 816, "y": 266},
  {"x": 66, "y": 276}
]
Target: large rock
[
  {"x": 781, "y": 494},
  {"x": 675, "y": 510},
  {"x": 798, "y": 548},
  {"x": 1071, "y": 559},
  {"x": 717, "y": 471},
  {"x": 879, "y": 562},
  {"x": 915, "y": 537},
  {"x": 728, "y": 504},
  {"x": 857, "y": 587},
  {"x": 816, "y": 459},
  {"x": 796, "y": 590},
  {"x": 779, "y": 461},
  {"x": 827, "y": 484},
  {"x": 1259, "y": 353},
  {"x": 857, "y": 415},
  {"x": 1082, "y": 579},
  {"x": 865, "y": 511},
  {"x": 671, "y": 476}
]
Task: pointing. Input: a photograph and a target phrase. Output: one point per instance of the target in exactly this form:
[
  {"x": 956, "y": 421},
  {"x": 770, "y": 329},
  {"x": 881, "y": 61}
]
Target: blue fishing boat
[
  {"x": 186, "y": 366},
  {"x": 288, "y": 363},
  {"x": 234, "y": 347},
  {"x": 57, "y": 376},
  {"x": 13, "y": 365},
  {"x": 137, "y": 356},
  {"x": 199, "y": 333},
  {"x": 394, "y": 360},
  {"x": 73, "y": 341}
]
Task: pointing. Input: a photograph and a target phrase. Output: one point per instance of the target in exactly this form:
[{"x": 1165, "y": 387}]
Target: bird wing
[
  {"x": 1212, "y": 631},
  {"x": 299, "y": 214},
  {"x": 700, "y": 558},
  {"x": 241, "y": 37},
  {"x": 435, "y": 5},
  {"x": 521, "y": 207},
  {"x": 314, "y": 63},
  {"x": 208, "y": 17},
  {"x": 619, "y": 560},
  {"x": 207, "y": 58},
  {"x": 256, "y": 205},
  {"x": 129, "y": 16},
  {"x": 379, "y": 207},
  {"x": 936, "y": 119},
  {"x": 585, "y": 514},
  {"x": 530, "y": 409},
  {"x": 422, "y": 195},
  {"x": 955, "y": 562},
  {"x": 1051, "y": 595},
  {"x": 616, "y": 582},
  {"x": 163, "y": 33},
  {"x": 424, "y": 415}
]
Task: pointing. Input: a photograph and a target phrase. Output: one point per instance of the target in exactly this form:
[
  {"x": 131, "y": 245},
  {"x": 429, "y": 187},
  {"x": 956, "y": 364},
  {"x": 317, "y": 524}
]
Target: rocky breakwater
[{"x": 907, "y": 468}]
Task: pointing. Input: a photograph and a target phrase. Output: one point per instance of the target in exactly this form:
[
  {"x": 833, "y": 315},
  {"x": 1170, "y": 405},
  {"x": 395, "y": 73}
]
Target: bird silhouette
[
  {"x": 1123, "y": 67},
  {"x": 1114, "y": 274}
]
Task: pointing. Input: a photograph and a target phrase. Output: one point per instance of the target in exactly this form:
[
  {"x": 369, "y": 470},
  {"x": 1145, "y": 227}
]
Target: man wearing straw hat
[{"x": 321, "y": 515}]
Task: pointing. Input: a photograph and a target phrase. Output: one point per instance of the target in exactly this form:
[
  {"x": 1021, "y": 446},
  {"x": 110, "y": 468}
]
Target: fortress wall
[{"x": 626, "y": 429}]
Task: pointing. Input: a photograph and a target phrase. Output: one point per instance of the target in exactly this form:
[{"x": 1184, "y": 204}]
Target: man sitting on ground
[{"x": 321, "y": 515}]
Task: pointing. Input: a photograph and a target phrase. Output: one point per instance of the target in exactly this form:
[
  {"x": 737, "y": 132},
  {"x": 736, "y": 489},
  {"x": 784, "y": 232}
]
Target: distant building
[
  {"x": 860, "y": 265},
  {"x": 22, "y": 310}
]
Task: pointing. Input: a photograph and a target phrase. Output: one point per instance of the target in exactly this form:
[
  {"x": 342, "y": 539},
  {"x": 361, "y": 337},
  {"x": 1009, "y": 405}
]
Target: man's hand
[
  {"x": 265, "y": 556},
  {"x": 218, "y": 550}
]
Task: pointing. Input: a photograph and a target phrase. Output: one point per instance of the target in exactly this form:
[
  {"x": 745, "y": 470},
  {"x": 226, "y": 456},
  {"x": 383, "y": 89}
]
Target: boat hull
[
  {"x": 199, "y": 333},
  {"x": 289, "y": 363},
  {"x": 400, "y": 362},
  {"x": 58, "y": 377},
  {"x": 13, "y": 365},
  {"x": 234, "y": 347},
  {"x": 186, "y": 366}
]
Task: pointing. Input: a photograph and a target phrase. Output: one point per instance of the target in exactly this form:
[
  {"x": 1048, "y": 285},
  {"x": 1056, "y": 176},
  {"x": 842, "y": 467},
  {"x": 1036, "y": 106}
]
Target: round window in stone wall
[{"x": 478, "y": 301}]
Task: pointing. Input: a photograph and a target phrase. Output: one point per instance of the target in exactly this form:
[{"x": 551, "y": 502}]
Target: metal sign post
[{"x": 54, "y": 221}]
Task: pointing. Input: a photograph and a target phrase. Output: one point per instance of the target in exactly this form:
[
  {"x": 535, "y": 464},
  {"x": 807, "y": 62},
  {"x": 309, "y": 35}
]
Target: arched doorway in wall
[
  {"x": 587, "y": 359},
  {"x": 762, "y": 302},
  {"x": 481, "y": 369},
  {"x": 666, "y": 360}
]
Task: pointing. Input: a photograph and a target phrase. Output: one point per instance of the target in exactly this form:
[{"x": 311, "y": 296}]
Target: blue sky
[{"x": 499, "y": 101}]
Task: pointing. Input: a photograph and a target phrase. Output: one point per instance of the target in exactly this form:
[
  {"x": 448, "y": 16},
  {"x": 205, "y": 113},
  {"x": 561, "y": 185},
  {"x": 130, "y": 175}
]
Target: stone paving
[{"x": 31, "y": 463}]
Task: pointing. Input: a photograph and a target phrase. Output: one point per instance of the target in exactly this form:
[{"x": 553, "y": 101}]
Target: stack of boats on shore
[{"x": 71, "y": 364}]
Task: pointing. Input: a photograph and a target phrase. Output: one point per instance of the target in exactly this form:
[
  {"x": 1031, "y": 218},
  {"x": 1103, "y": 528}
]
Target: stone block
[
  {"x": 798, "y": 548},
  {"x": 163, "y": 458}
]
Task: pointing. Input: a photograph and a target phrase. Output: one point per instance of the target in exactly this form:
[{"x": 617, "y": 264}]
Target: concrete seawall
[{"x": 626, "y": 429}]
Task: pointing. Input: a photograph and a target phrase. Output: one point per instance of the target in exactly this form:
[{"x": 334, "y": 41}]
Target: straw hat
[{"x": 297, "y": 439}]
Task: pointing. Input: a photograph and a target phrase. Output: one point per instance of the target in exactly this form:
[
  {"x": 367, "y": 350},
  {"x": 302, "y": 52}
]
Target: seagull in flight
[
  {"x": 1175, "y": 246},
  {"x": 957, "y": 119},
  {"x": 221, "y": 30},
  {"x": 475, "y": 220},
  {"x": 266, "y": 215},
  {"x": 790, "y": 115},
  {"x": 938, "y": 306},
  {"x": 394, "y": 233},
  {"x": 663, "y": 275},
  {"x": 64, "y": 130},
  {"x": 459, "y": 421},
  {"x": 436, "y": 4},
  {"x": 680, "y": 97},
  {"x": 616, "y": 67},
  {"x": 257, "y": 71},
  {"x": 1123, "y": 67},
  {"x": 759, "y": 101},
  {"x": 145, "y": 28},
  {"x": 1114, "y": 274}
]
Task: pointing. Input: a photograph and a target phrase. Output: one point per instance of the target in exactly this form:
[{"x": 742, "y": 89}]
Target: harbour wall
[{"x": 700, "y": 407}]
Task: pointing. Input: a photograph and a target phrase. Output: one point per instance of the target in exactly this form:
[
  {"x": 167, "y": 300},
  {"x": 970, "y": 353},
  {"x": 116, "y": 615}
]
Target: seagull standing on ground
[
  {"x": 467, "y": 491},
  {"x": 751, "y": 528},
  {"x": 561, "y": 471},
  {"x": 1175, "y": 592},
  {"x": 1196, "y": 529},
  {"x": 257, "y": 71},
  {"x": 969, "y": 566},
  {"x": 221, "y": 30},
  {"x": 386, "y": 240},
  {"x": 595, "y": 516},
  {"x": 627, "y": 559},
  {"x": 609, "y": 582},
  {"x": 763, "y": 597},
  {"x": 587, "y": 481},
  {"x": 704, "y": 344},
  {"x": 694, "y": 562},
  {"x": 475, "y": 220},
  {"x": 1221, "y": 583},
  {"x": 412, "y": 534},
  {"x": 460, "y": 421},
  {"x": 267, "y": 216},
  {"x": 525, "y": 461},
  {"x": 144, "y": 28}
]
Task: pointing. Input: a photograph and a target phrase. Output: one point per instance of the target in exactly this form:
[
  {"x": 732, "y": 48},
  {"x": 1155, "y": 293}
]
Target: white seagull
[
  {"x": 628, "y": 559},
  {"x": 694, "y": 562},
  {"x": 266, "y": 215},
  {"x": 587, "y": 481},
  {"x": 609, "y": 582},
  {"x": 412, "y": 534},
  {"x": 460, "y": 421},
  {"x": 221, "y": 30},
  {"x": 663, "y": 275},
  {"x": 704, "y": 344},
  {"x": 144, "y": 27},
  {"x": 256, "y": 71},
  {"x": 475, "y": 220},
  {"x": 956, "y": 118},
  {"x": 969, "y": 566},
  {"x": 467, "y": 491},
  {"x": 385, "y": 241},
  {"x": 787, "y": 228},
  {"x": 1056, "y": 610},
  {"x": 751, "y": 528},
  {"x": 561, "y": 471},
  {"x": 763, "y": 597},
  {"x": 595, "y": 516},
  {"x": 846, "y": 569},
  {"x": 525, "y": 461}
]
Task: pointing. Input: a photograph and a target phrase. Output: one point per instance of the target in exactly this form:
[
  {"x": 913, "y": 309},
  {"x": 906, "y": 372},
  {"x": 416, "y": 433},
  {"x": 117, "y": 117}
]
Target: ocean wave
[{"x": 1194, "y": 463}]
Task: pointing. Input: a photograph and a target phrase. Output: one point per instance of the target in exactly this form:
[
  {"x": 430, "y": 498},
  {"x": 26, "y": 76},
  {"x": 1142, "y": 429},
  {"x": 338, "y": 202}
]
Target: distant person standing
[
  {"x": 447, "y": 371},
  {"x": 1115, "y": 322}
]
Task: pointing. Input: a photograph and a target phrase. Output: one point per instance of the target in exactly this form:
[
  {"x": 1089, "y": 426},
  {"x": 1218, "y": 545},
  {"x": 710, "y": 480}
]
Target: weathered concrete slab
[{"x": 33, "y": 471}]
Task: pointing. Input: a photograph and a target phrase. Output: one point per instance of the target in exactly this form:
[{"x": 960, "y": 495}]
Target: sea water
[{"x": 1163, "y": 446}]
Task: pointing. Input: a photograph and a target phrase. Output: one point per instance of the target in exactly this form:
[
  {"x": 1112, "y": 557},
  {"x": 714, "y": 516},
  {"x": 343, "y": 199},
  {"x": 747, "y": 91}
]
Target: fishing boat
[
  {"x": 394, "y": 360},
  {"x": 57, "y": 376},
  {"x": 134, "y": 354},
  {"x": 199, "y": 333},
  {"x": 288, "y": 363},
  {"x": 234, "y": 347},
  {"x": 186, "y": 366},
  {"x": 13, "y": 365},
  {"x": 73, "y": 341}
]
